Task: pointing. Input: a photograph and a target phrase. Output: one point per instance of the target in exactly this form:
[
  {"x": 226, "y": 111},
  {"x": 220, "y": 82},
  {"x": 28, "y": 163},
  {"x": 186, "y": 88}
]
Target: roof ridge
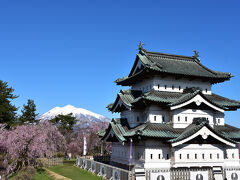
[
  {"x": 192, "y": 58},
  {"x": 171, "y": 55}
]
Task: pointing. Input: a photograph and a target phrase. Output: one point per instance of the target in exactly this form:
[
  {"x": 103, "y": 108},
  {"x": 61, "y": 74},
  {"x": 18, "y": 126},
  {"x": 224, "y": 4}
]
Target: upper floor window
[
  {"x": 185, "y": 119},
  {"x": 172, "y": 87},
  {"x": 178, "y": 118},
  {"x": 233, "y": 155},
  {"x": 159, "y": 156},
  {"x": 180, "y": 156},
  {"x": 165, "y": 86},
  {"x": 155, "y": 118},
  {"x": 206, "y": 90},
  {"x": 210, "y": 156},
  {"x": 195, "y": 156},
  {"x": 203, "y": 156},
  {"x": 218, "y": 121},
  {"x": 167, "y": 156},
  {"x": 163, "y": 118},
  {"x": 218, "y": 156},
  {"x": 151, "y": 156},
  {"x": 187, "y": 156},
  {"x": 179, "y": 88},
  {"x": 137, "y": 119},
  {"x": 158, "y": 86}
]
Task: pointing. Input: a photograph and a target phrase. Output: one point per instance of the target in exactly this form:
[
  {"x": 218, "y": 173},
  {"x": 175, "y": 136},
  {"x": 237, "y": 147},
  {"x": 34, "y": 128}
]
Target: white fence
[{"x": 104, "y": 170}]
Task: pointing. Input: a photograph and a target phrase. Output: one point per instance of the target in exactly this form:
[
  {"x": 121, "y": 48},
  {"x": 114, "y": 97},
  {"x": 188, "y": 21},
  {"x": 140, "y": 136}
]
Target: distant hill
[{"x": 82, "y": 115}]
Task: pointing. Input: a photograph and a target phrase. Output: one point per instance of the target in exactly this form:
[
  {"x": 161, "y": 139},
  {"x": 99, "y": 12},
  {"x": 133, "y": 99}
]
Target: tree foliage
[
  {"x": 64, "y": 122},
  {"x": 75, "y": 139},
  {"x": 7, "y": 110},
  {"x": 26, "y": 143},
  {"x": 28, "y": 113}
]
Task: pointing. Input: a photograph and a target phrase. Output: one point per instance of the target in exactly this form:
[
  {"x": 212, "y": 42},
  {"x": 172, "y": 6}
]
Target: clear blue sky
[{"x": 70, "y": 52}]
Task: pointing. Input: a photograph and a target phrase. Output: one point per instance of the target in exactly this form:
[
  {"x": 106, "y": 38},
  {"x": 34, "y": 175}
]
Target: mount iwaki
[{"x": 82, "y": 115}]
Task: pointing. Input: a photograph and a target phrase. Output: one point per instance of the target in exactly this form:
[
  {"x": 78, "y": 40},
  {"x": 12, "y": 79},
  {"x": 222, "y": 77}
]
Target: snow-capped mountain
[{"x": 79, "y": 113}]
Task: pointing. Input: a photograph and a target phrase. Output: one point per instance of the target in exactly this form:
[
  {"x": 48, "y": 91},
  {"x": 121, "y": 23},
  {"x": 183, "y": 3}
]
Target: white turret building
[{"x": 174, "y": 120}]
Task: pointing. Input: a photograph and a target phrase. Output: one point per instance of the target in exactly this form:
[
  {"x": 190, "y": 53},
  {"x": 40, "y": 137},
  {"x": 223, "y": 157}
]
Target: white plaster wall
[
  {"x": 172, "y": 85},
  {"x": 199, "y": 149},
  {"x": 232, "y": 157},
  {"x": 154, "y": 149},
  {"x": 230, "y": 174},
  {"x": 195, "y": 175},
  {"x": 159, "y": 175},
  {"x": 159, "y": 113},
  {"x": 144, "y": 86},
  {"x": 179, "y": 115},
  {"x": 134, "y": 117},
  {"x": 120, "y": 153},
  {"x": 218, "y": 118},
  {"x": 183, "y": 83},
  {"x": 143, "y": 151}
]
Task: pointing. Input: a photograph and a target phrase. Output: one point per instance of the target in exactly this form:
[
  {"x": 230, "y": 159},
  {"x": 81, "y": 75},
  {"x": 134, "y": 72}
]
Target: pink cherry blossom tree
[{"x": 26, "y": 143}]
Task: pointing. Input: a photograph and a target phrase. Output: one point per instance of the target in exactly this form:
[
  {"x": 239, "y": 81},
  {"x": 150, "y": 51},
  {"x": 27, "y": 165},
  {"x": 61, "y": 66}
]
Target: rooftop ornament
[
  {"x": 196, "y": 54},
  {"x": 140, "y": 46}
]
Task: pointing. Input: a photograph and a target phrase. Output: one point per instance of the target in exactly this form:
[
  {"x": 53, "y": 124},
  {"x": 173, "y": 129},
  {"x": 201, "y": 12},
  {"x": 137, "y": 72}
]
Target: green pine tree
[
  {"x": 7, "y": 109},
  {"x": 28, "y": 113},
  {"x": 64, "y": 122}
]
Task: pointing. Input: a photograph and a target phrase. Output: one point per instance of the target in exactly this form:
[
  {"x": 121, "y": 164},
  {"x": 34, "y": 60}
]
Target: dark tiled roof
[
  {"x": 166, "y": 131},
  {"x": 155, "y": 130},
  {"x": 132, "y": 98},
  {"x": 229, "y": 131},
  {"x": 199, "y": 123},
  {"x": 127, "y": 97},
  {"x": 169, "y": 64}
]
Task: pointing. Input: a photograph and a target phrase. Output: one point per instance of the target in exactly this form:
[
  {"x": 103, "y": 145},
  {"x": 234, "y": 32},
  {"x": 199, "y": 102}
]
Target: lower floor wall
[{"x": 194, "y": 173}]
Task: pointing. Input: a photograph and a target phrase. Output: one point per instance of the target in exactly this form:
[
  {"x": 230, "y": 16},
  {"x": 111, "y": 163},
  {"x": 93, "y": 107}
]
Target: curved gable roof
[
  {"x": 192, "y": 130},
  {"x": 169, "y": 64}
]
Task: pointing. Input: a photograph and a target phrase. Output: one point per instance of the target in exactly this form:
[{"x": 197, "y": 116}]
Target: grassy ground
[
  {"x": 40, "y": 175},
  {"x": 67, "y": 169},
  {"x": 72, "y": 172}
]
